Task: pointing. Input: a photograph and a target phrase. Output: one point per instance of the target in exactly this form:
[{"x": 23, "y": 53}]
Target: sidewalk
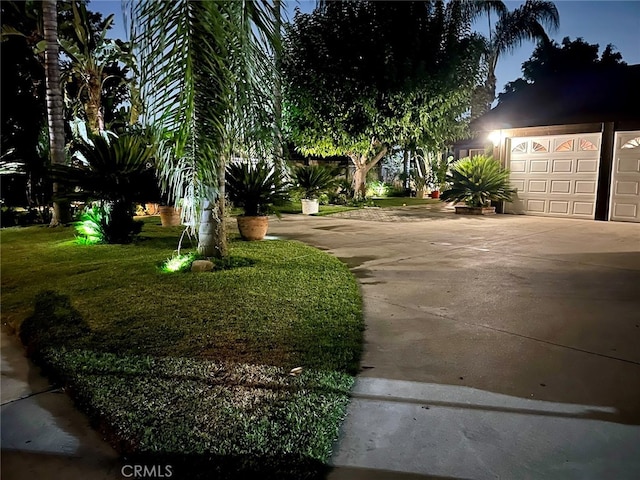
[{"x": 42, "y": 435}]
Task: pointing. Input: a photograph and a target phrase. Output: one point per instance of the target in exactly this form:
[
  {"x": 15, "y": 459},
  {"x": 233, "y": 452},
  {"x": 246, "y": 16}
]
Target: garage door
[
  {"x": 555, "y": 175},
  {"x": 625, "y": 180}
]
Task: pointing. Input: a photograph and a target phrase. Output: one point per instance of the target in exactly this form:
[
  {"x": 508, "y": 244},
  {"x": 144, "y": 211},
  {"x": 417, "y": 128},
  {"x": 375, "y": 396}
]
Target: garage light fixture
[{"x": 495, "y": 137}]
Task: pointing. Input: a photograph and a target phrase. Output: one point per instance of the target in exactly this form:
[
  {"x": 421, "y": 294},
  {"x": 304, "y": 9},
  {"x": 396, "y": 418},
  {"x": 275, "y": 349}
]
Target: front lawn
[{"x": 193, "y": 369}]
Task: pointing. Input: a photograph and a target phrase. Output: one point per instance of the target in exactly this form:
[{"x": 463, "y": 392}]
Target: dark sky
[{"x": 597, "y": 21}]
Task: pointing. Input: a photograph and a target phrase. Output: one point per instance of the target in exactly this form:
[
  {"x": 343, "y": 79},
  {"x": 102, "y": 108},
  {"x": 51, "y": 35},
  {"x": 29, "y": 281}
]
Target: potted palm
[
  {"x": 476, "y": 182},
  {"x": 312, "y": 181},
  {"x": 254, "y": 188}
]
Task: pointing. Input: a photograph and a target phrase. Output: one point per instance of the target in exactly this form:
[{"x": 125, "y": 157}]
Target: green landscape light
[
  {"x": 90, "y": 227},
  {"x": 177, "y": 263}
]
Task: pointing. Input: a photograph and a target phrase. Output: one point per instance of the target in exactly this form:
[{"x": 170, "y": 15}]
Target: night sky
[{"x": 602, "y": 22}]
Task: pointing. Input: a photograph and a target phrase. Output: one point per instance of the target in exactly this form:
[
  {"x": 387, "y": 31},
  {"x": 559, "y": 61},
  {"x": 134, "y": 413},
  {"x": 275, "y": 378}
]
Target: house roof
[{"x": 586, "y": 97}]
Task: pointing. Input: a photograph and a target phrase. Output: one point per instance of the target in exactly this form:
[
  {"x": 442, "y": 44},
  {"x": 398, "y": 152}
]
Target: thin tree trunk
[
  {"x": 54, "y": 106},
  {"x": 277, "y": 86},
  {"x": 363, "y": 165}
]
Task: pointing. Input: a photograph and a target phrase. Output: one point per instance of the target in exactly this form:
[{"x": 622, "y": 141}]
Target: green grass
[
  {"x": 193, "y": 368},
  {"x": 402, "y": 201}
]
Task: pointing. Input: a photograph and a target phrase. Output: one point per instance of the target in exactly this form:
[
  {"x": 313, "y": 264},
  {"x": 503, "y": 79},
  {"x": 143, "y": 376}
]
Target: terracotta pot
[
  {"x": 310, "y": 206},
  {"x": 169, "y": 216},
  {"x": 253, "y": 228},
  {"x": 464, "y": 210},
  {"x": 435, "y": 194},
  {"x": 151, "y": 208}
]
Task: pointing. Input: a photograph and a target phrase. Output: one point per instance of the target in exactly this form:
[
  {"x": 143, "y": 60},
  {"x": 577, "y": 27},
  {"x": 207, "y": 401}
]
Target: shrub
[
  {"x": 477, "y": 181},
  {"x": 313, "y": 180},
  {"x": 255, "y": 188}
]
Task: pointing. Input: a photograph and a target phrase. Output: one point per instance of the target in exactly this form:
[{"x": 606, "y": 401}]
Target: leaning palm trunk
[
  {"x": 206, "y": 84},
  {"x": 54, "y": 106}
]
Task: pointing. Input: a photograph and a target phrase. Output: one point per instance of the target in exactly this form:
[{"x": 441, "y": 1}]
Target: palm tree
[
  {"x": 526, "y": 22},
  {"x": 90, "y": 54},
  {"x": 54, "y": 105},
  {"x": 206, "y": 81}
]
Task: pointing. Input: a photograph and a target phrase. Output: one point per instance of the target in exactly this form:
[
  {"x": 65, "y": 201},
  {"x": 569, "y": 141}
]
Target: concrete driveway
[{"x": 496, "y": 347}]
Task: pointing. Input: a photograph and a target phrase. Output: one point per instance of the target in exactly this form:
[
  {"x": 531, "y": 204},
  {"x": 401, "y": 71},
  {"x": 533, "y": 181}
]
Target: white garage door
[
  {"x": 625, "y": 180},
  {"x": 555, "y": 175}
]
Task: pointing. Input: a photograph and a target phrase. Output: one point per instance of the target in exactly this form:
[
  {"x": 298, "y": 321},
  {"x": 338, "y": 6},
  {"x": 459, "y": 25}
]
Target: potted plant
[
  {"x": 439, "y": 169},
  {"x": 311, "y": 182},
  {"x": 476, "y": 182},
  {"x": 254, "y": 188}
]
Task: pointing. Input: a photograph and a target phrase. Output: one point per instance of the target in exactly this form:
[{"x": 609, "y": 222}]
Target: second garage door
[{"x": 555, "y": 175}]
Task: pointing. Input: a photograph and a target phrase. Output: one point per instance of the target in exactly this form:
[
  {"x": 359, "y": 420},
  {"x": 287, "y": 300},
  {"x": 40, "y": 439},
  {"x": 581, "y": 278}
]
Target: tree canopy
[
  {"x": 361, "y": 77},
  {"x": 572, "y": 57}
]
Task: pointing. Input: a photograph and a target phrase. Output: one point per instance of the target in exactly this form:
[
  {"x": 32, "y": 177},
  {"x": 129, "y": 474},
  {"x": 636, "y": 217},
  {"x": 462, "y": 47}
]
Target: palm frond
[{"x": 206, "y": 73}]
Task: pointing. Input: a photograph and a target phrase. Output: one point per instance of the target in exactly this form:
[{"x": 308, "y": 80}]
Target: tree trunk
[
  {"x": 360, "y": 181},
  {"x": 95, "y": 116},
  {"x": 212, "y": 236},
  {"x": 54, "y": 107},
  {"x": 277, "y": 86},
  {"x": 363, "y": 164}
]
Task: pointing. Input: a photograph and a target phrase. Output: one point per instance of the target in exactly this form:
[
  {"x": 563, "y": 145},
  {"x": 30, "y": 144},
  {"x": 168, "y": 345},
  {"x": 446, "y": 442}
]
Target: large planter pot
[
  {"x": 435, "y": 194},
  {"x": 420, "y": 193},
  {"x": 253, "y": 228},
  {"x": 169, "y": 216},
  {"x": 151, "y": 208},
  {"x": 310, "y": 206},
  {"x": 464, "y": 210}
]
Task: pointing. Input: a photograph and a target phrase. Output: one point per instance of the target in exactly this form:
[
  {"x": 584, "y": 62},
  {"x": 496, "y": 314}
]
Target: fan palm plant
[
  {"x": 116, "y": 172},
  {"x": 477, "y": 181},
  {"x": 313, "y": 180},
  {"x": 206, "y": 78},
  {"x": 254, "y": 188}
]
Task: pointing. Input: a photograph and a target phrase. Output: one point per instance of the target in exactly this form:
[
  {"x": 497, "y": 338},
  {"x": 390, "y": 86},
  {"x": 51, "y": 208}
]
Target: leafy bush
[
  {"x": 255, "y": 188},
  {"x": 477, "y": 181},
  {"x": 377, "y": 189},
  {"x": 344, "y": 193}
]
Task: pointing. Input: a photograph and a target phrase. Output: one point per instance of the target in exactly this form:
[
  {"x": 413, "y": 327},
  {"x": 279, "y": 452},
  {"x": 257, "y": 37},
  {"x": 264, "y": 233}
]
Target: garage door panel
[
  {"x": 628, "y": 165},
  {"x": 625, "y": 181},
  {"x": 562, "y": 166},
  {"x": 539, "y": 166},
  {"x": 586, "y": 209},
  {"x": 561, "y": 186},
  {"x": 537, "y": 186},
  {"x": 533, "y": 205},
  {"x": 627, "y": 188},
  {"x": 560, "y": 182},
  {"x": 587, "y": 166},
  {"x": 517, "y": 166},
  {"x": 583, "y": 187},
  {"x": 626, "y": 210},
  {"x": 560, "y": 207}
]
